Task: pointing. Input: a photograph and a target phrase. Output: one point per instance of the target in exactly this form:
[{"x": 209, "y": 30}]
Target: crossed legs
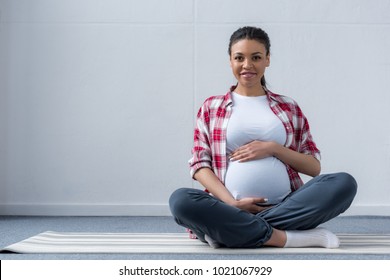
[{"x": 319, "y": 200}]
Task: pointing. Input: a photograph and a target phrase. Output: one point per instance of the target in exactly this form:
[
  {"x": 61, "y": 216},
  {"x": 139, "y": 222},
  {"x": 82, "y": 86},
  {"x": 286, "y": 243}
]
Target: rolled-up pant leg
[
  {"x": 318, "y": 201},
  {"x": 205, "y": 214}
]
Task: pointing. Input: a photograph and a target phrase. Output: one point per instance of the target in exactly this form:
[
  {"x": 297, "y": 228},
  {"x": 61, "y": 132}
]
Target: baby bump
[{"x": 258, "y": 178}]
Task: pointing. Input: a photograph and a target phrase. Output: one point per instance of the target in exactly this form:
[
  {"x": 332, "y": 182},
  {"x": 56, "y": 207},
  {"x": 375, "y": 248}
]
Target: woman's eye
[
  {"x": 238, "y": 58},
  {"x": 257, "y": 57}
]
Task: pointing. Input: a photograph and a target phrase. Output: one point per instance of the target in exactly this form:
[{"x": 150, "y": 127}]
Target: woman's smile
[{"x": 248, "y": 75}]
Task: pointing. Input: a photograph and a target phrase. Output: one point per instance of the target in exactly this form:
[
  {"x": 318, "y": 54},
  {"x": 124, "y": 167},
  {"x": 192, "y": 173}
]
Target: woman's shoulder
[
  {"x": 216, "y": 101},
  {"x": 282, "y": 98}
]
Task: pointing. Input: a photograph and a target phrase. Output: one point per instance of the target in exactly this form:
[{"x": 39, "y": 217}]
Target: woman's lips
[{"x": 248, "y": 75}]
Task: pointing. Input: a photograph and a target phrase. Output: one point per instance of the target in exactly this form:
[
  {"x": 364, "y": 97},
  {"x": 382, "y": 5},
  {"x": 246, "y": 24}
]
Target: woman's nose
[{"x": 247, "y": 64}]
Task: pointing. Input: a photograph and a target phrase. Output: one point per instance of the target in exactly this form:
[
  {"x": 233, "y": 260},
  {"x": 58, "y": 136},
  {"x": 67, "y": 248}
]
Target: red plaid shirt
[{"x": 210, "y": 133}]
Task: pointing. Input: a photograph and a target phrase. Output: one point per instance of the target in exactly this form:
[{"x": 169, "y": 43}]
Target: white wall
[{"x": 98, "y": 97}]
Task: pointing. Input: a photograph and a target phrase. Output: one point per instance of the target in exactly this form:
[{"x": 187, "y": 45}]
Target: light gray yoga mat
[{"x": 178, "y": 243}]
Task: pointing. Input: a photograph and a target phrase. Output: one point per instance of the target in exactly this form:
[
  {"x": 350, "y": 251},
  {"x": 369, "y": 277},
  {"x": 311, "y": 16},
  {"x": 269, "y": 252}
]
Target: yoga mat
[{"x": 178, "y": 243}]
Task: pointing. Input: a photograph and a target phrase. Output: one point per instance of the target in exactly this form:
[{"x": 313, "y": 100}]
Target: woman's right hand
[
  {"x": 251, "y": 204},
  {"x": 211, "y": 182}
]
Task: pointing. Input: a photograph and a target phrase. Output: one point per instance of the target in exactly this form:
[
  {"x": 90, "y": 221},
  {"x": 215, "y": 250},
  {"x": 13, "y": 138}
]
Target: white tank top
[{"x": 252, "y": 119}]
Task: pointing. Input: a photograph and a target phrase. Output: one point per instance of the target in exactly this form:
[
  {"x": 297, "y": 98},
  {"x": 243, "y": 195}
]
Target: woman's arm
[
  {"x": 210, "y": 181},
  {"x": 306, "y": 164}
]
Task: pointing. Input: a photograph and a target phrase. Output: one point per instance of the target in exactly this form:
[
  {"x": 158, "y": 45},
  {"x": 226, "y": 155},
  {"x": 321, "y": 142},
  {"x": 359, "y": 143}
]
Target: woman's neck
[{"x": 250, "y": 91}]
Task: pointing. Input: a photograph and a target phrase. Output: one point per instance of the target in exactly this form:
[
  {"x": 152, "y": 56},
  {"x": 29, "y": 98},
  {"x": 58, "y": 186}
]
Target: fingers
[
  {"x": 258, "y": 208},
  {"x": 258, "y": 204},
  {"x": 253, "y": 204},
  {"x": 244, "y": 153},
  {"x": 251, "y": 151},
  {"x": 243, "y": 156},
  {"x": 260, "y": 200},
  {"x": 240, "y": 157},
  {"x": 261, "y": 204}
]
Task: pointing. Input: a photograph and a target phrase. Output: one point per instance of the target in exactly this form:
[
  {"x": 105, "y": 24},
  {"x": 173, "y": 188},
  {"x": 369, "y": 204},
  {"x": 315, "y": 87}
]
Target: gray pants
[{"x": 319, "y": 200}]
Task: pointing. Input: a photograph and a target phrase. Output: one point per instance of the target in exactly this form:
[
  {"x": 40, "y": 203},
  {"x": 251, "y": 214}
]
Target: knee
[
  {"x": 346, "y": 185},
  {"x": 180, "y": 202}
]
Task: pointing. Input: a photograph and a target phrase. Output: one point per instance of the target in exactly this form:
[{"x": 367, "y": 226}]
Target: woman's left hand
[{"x": 253, "y": 150}]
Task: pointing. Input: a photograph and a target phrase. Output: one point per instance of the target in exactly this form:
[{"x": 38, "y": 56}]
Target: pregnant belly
[{"x": 266, "y": 178}]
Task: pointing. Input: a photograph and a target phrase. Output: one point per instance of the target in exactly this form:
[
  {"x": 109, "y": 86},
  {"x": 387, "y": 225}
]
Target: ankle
[{"x": 278, "y": 239}]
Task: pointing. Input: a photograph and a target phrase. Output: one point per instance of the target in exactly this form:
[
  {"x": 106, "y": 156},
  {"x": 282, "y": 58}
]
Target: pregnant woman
[{"x": 249, "y": 147}]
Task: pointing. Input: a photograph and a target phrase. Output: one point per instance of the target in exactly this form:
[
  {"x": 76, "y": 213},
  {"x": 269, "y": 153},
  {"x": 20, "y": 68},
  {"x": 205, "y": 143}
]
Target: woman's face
[{"x": 248, "y": 60}]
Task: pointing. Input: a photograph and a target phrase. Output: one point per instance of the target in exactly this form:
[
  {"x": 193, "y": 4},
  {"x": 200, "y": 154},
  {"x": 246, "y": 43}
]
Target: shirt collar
[{"x": 229, "y": 101}]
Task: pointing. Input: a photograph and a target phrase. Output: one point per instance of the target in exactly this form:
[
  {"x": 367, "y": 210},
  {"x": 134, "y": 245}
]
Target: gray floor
[{"x": 15, "y": 228}]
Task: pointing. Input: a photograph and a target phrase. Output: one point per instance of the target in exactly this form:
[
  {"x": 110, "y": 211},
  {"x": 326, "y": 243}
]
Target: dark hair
[{"x": 251, "y": 33}]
